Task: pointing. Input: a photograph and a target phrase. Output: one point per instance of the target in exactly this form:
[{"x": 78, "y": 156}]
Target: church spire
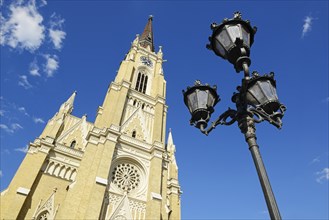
[
  {"x": 147, "y": 36},
  {"x": 67, "y": 106}
]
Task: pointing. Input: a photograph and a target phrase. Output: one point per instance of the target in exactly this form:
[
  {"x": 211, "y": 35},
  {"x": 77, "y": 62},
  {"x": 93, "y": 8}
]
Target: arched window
[
  {"x": 73, "y": 144},
  {"x": 145, "y": 84},
  {"x": 134, "y": 134},
  {"x": 141, "y": 83},
  {"x": 43, "y": 216},
  {"x": 138, "y": 81}
]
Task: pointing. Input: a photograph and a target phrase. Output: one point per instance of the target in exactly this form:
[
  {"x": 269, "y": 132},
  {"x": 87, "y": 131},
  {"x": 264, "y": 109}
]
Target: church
[{"x": 121, "y": 166}]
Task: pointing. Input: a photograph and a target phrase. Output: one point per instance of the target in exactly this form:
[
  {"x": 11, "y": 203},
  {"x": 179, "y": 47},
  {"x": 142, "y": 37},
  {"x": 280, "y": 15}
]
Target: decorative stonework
[
  {"x": 61, "y": 170},
  {"x": 72, "y": 152},
  {"x": 78, "y": 130},
  {"x": 126, "y": 177},
  {"x": 115, "y": 204},
  {"x": 43, "y": 216},
  {"x": 138, "y": 118},
  {"x": 46, "y": 210},
  {"x": 135, "y": 141}
]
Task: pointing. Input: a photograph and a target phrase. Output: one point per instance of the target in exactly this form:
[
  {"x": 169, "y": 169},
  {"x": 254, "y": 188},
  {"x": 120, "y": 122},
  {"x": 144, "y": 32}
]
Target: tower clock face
[{"x": 146, "y": 61}]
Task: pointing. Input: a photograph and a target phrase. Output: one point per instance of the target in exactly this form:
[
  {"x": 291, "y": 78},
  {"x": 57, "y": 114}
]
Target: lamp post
[{"x": 256, "y": 99}]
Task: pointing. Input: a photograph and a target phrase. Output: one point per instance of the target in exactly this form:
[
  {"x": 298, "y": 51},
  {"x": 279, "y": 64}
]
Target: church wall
[{"x": 43, "y": 189}]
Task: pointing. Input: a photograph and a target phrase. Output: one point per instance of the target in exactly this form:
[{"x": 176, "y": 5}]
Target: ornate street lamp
[
  {"x": 256, "y": 99},
  {"x": 232, "y": 40},
  {"x": 200, "y": 100}
]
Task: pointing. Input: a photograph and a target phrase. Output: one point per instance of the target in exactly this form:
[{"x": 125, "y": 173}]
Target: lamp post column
[{"x": 247, "y": 126}]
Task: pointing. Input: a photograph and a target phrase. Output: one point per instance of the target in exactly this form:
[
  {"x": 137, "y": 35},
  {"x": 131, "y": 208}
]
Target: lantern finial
[{"x": 237, "y": 15}]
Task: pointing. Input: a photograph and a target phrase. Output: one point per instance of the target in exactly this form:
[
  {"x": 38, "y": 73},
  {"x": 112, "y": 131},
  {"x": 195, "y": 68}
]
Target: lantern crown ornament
[{"x": 232, "y": 40}]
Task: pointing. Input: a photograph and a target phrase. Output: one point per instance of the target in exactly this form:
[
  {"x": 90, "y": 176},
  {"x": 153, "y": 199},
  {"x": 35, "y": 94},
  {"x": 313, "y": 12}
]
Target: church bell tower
[{"x": 119, "y": 167}]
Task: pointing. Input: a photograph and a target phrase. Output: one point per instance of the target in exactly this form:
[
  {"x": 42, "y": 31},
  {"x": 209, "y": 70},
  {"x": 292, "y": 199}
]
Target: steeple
[
  {"x": 55, "y": 125},
  {"x": 171, "y": 148},
  {"x": 147, "y": 36},
  {"x": 67, "y": 107}
]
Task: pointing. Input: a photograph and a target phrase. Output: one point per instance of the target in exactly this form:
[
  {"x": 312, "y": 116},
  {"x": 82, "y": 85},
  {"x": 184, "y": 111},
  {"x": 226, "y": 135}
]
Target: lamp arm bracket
[
  {"x": 221, "y": 120},
  {"x": 261, "y": 115}
]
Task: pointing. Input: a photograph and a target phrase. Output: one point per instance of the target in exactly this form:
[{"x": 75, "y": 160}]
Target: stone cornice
[
  {"x": 116, "y": 86},
  {"x": 146, "y": 98},
  {"x": 43, "y": 145},
  {"x": 97, "y": 135},
  {"x": 68, "y": 151},
  {"x": 157, "y": 150},
  {"x": 145, "y": 52},
  {"x": 142, "y": 145}
]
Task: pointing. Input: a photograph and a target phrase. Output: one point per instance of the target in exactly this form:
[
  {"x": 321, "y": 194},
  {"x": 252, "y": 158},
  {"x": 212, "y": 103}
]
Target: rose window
[{"x": 126, "y": 177}]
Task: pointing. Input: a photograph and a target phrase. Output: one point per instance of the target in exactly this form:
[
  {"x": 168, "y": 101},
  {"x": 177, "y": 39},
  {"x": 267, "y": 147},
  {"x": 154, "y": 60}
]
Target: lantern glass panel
[
  {"x": 256, "y": 95},
  {"x": 211, "y": 99},
  {"x": 202, "y": 98},
  {"x": 224, "y": 39},
  {"x": 192, "y": 102},
  {"x": 234, "y": 31},
  {"x": 245, "y": 36},
  {"x": 220, "y": 48},
  {"x": 267, "y": 89}
]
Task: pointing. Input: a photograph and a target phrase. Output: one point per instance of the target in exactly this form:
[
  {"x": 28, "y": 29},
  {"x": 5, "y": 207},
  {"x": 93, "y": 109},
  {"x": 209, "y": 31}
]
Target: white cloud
[
  {"x": 34, "y": 68},
  {"x": 57, "y": 36},
  {"x": 315, "y": 160},
  {"x": 322, "y": 175},
  {"x": 1, "y": 173},
  {"x": 51, "y": 64},
  {"x": 24, "y": 82},
  {"x": 43, "y": 3},
  {"x": 6, "y": 128},
  {"x": 2, "y": 29},
  {"x": 326, "y": 100},
  {"x": 38, "y": 120},
  {"x": 16, "y": 126},
  {"x": 23, "y": 29},
  {"x": 2, "y": 112},
  {"x": 56, "y": 33},
  {"x": 22, "y": 149},
  {"x": 13, "y": 127},
  {"x": 23, "y": 110},
  {"x": 307, "y": 26}
]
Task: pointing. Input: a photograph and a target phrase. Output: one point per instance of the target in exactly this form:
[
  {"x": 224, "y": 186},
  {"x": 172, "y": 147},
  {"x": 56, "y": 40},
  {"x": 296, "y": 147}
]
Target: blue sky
[{"x": 51, "y": 48}]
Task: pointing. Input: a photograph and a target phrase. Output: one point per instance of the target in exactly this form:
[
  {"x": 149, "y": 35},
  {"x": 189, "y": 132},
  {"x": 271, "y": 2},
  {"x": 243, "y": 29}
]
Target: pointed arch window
[
  {"x": 141, "y": 83},
  {"x": 73, "y": 143},
  {"x": 43, "y": 216}
]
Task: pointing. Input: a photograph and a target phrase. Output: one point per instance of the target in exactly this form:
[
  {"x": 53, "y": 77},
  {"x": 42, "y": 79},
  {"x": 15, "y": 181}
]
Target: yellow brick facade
[{"x": 119, "y": 167}]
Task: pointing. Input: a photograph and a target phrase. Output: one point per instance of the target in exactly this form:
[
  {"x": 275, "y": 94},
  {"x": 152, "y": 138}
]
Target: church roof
[{"x": 147, "y": 36}]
